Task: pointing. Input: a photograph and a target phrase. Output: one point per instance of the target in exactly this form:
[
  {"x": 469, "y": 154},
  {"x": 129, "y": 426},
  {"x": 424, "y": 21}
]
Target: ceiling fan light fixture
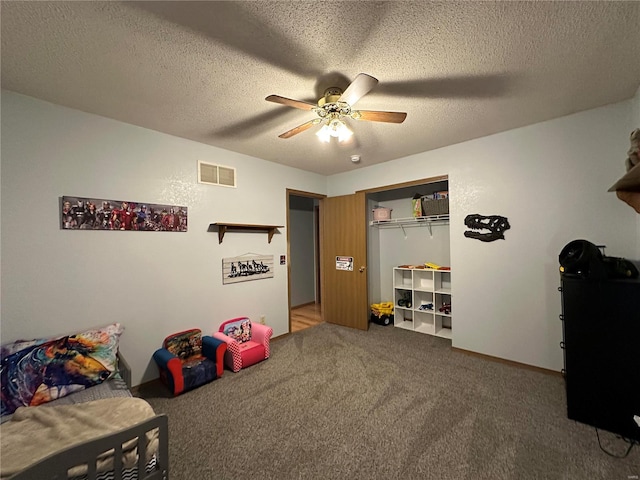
[
  {"x": 334, "y": 128},
  {"x": 324, "y": 134},
  {"x": 344, "y": 133}
]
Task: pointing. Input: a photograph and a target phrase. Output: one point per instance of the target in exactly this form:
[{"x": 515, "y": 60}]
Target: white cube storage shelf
[{"x": 413, "y": 290}]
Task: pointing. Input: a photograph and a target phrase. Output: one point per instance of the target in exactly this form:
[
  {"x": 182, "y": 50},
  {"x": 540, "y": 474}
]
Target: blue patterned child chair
[{"x": 188, "y": 359}]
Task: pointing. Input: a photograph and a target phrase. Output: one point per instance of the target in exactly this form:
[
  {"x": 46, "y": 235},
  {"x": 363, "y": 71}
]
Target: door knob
[{"x": 361, "y": 269}]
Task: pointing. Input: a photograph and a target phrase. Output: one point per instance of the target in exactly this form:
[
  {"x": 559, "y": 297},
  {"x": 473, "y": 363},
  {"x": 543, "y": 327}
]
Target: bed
[{"x": 81, "y": 431}]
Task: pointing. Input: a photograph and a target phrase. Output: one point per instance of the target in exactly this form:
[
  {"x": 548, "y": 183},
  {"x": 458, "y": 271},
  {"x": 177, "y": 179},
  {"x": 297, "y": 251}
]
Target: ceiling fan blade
[
  {"x": 373, "y": 116},
  {"x": 291, "y": 103},
  {"x": 358, "y": 88},
  {"x": 300, "y": 128}
]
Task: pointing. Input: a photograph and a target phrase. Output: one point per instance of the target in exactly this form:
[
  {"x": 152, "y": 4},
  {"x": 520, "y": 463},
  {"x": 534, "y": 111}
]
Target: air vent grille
[
  {"x": 212, "y": 174},
  {"x": 227, "y": 176}
]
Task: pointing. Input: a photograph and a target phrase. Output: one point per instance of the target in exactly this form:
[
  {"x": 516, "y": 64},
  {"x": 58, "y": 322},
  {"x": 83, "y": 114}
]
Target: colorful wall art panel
[{"x": 79, "y": 213}]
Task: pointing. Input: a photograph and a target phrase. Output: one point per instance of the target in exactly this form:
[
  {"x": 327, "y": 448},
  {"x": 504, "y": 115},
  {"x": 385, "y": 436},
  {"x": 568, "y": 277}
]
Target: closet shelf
[
  {"x": 411, "y": 221},
  {"x": 223, "y": 227}
]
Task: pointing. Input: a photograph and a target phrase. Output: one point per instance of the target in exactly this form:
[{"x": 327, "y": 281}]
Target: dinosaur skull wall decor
[{"x": 486, "y": 228}]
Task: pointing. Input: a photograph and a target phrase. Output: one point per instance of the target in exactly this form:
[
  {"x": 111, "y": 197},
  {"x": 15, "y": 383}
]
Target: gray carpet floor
[{"x": 337, "y": 403}]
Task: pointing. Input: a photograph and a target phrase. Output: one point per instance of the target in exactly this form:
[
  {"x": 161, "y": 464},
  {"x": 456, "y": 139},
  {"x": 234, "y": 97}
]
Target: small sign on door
[{"x": 344, "y": 263}]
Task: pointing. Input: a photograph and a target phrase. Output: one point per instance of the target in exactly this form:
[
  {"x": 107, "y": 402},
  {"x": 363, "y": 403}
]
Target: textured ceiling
[{"x": 202, "y": 70}]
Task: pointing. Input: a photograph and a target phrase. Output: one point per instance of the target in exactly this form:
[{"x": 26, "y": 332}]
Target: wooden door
[{"x": 344, "y": 235}]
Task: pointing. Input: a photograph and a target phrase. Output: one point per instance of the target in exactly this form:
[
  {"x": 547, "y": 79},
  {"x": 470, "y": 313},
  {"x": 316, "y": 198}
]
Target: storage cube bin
[
  {"x": 382, "y": 213},
  {"x": 435, "y": 207}
]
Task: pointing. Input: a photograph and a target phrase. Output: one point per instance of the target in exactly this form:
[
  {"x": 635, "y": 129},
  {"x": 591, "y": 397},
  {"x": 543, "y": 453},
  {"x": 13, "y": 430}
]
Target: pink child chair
[{"x": 247, "y": 343}]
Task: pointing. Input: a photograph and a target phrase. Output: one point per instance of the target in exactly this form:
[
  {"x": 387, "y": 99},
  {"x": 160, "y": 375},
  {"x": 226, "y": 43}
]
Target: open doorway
[{"x": 303, "y": 264}]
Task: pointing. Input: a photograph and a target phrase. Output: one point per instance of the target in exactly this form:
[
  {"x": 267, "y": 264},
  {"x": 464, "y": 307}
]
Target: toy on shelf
[
  {"x": 426, "y": 306},
  {"x": 405, "y": 300},
  {"x": 445, "y": 308},
  {"x": 416, "y": 205},
  {"x": 435, "y": 266}
]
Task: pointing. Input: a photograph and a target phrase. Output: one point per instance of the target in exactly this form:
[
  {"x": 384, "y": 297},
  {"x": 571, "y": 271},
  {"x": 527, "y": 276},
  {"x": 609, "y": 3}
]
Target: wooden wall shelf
[{"x": 223, "y": 227}]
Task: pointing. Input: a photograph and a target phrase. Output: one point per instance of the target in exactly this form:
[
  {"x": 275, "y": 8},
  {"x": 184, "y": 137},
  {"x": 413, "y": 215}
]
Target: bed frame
[{"x": 56, "y": 466}]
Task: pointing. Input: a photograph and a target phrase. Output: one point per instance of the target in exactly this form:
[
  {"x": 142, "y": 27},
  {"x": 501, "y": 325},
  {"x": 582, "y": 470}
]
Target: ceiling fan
[{"x": 336, "y": 105}]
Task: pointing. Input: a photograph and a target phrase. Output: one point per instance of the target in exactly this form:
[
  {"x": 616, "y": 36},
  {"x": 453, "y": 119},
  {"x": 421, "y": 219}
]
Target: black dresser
[{"x": 601, "y": 331}]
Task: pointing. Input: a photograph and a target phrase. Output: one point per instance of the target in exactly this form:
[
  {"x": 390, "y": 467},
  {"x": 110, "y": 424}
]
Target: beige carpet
[{"x": 336, "y": 403}]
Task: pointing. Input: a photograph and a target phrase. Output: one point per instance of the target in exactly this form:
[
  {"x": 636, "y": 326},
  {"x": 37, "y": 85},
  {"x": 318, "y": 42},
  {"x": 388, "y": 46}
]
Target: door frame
[
  {"x": 412, "y": 183},
  {"x": 318, "y": 260},
  {"x": 385, "y": 188}
]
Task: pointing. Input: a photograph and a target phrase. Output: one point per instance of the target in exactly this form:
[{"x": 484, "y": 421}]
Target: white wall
[
  {"x": 550, "y": 180},
  {"x": 57, "y": 281}
]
